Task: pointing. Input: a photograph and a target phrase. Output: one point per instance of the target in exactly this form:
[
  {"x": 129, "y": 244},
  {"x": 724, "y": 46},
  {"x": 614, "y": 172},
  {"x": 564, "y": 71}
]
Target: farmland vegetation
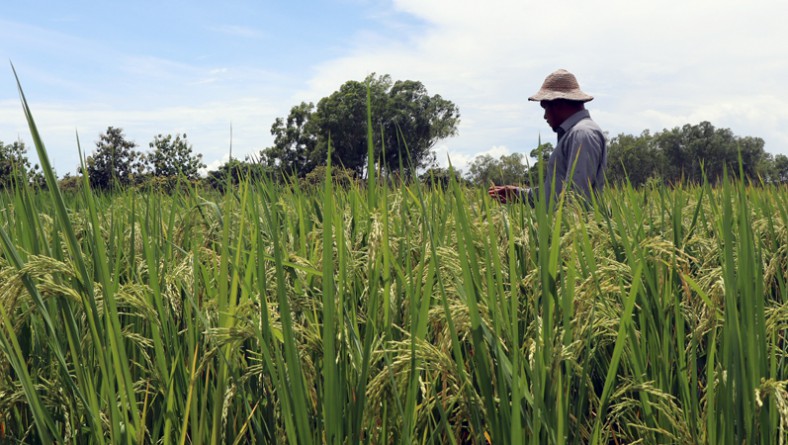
[{"x": 379, "y": 312}]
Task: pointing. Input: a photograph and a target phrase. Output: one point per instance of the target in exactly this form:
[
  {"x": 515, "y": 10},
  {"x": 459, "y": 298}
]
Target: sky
[{"x": 222, "y": 71}]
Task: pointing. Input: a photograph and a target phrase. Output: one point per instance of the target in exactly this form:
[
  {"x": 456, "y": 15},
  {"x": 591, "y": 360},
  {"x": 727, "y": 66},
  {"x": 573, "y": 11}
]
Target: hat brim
[{"x": 548, "y": 95}]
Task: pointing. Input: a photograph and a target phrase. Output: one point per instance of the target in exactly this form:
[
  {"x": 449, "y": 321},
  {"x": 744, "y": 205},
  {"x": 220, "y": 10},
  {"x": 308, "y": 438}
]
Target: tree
[
  {"x": 634, "y": 158},
  {"x": 15, "y": 166},
  {"x": 341, "y": 177},
  {"x": 115, "y": 163},
  {"x": 233, "y": 172},
  {"x": 483, "y": 170},
  {"x": 542, "y": 154},
  {"x": 404, "y": 119},
  {"x": 694, "y": 151},
  {"x": 508, "y": 169},
  {"x": 781, "y": 168},
  {"x": 295, "y": 140},
  {"x": 172, "y": 158},
  {"x": 412, "y": 122},
  {"x": 70, "y": 184},
  {"x": 755, "y": 160}
]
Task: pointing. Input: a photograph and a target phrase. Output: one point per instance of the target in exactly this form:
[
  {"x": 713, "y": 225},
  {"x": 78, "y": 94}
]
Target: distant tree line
[
  {"x": 404, "y": 124},
  {"x": 116, "y": 163},
  {"x": 687, "y": 154}
]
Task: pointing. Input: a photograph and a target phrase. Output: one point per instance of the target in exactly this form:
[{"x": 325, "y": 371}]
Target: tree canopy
[
  {"x": 115, "y": 163},
  {"x": 172, "y": 157},
  {"x": 637, "y": 158},
  {"x": 686, "y": 154},
  {"x": 405, "y": 119},
  {"x": 514, "y": 168},
  {"x": 233, "y": 172},
  {"x": 508, "y": 169},
  {"x": 780, "y": 169}
]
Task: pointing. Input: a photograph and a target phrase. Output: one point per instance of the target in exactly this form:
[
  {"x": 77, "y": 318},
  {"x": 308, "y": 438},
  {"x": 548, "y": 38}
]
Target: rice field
[{"x": 384, "y": 314}]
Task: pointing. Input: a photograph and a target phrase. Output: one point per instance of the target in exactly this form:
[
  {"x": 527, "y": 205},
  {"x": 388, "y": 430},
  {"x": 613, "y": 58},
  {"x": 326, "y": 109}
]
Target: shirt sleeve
[
  {"x": 526, "y": 194},
  {"x": 584, "y": 153}
]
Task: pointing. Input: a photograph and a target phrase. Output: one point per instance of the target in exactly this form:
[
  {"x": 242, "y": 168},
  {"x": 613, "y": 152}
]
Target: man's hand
[{"x": 505, "y": 193}]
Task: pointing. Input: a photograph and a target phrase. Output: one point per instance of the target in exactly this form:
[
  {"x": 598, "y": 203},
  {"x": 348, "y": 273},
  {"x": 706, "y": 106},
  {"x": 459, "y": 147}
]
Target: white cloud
[
  {"x": 461, "y": 161},
  {"x": 214, "y": 165},
  {"x": 650, "y": 65}
]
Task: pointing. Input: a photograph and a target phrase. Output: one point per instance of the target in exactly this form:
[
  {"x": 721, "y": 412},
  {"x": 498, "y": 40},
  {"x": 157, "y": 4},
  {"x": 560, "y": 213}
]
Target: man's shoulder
[
  {"x": 586, "y": 132},
  {"x": 586, "y": 125}
]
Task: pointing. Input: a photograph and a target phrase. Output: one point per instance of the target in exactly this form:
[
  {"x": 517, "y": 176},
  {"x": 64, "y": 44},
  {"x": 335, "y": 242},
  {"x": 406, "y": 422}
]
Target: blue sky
[{"x": 200, "y": 67}]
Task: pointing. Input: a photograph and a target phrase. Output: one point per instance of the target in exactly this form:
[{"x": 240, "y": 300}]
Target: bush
[
  {"x": 341, "y": 176},
  {"x": 70, "y": 184}
]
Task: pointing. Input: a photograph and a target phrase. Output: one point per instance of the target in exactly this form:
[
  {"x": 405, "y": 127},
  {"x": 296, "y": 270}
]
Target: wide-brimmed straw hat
[{"x": 561, "y": 85}]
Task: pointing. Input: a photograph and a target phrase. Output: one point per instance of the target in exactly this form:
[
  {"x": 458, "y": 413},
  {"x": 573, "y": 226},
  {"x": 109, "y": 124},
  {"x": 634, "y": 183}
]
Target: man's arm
[{"x": 510, "y": 193}]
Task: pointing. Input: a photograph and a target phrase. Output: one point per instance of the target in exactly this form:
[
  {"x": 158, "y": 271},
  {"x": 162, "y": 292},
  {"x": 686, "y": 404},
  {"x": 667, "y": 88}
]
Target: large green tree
[
  {"x": 405, "y": 120},
  {"x": 172, "y": 157},
  {"x": 295, "y": 141},
  {"x": 115, "y": 163}
]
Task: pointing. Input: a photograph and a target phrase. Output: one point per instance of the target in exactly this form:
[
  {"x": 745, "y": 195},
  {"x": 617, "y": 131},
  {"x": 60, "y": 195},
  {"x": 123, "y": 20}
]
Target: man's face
[{"x": 550, "y": 114}]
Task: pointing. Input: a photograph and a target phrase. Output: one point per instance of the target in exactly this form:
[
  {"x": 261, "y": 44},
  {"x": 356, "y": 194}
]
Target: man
[{"x": 580, "y": 156}]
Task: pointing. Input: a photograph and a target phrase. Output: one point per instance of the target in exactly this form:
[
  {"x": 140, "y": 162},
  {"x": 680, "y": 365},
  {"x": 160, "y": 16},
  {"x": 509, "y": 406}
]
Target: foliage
[
  {"x": 694, "y": 149},
  {"x": 70, "y": 184},
  {"x": 780, "y": 172},
  {"x": 686, "y": 154},
  {"x": 171, "y": 158},
  {"x": 508, "y": 169},
  {"x": 478, "y": 330},
  {"x": 441, "y": 177},
  {"x": 635, "y": 158},
  {"x": 234, "y": 172},
  {"x": 341, "y": 177},
  {"x": 541, "y": 154},
  {"x": 114, "y": 163},
  {"x": 295, "y": 141},
  {"x": 401, "y": 112},
  {"x": 15, "y": 166}
]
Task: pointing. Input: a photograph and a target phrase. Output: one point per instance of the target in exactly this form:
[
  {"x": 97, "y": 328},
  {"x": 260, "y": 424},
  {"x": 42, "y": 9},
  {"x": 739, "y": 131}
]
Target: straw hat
[{"x": 561, "y": 85}]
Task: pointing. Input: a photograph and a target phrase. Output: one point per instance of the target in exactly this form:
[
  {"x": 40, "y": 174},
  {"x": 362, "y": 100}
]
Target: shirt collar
[{"x": 572, "y": 121}]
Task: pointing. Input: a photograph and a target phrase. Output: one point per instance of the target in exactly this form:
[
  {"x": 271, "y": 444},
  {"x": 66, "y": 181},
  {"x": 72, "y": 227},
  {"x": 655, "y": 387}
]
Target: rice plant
[{"x": 383, "y": 314}]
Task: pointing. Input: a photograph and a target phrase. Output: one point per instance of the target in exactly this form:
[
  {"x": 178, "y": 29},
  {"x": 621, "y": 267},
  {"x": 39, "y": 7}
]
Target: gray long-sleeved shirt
[{"x": 579, "y": 138}]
